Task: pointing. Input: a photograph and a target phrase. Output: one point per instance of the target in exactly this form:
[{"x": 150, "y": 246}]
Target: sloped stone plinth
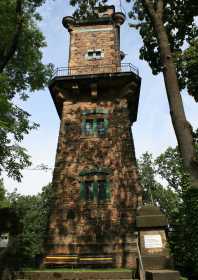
[
  {"x": 157, "y": 262},
  {"x": 162, "y": 275},
  {"x": 45, "y": 275}
]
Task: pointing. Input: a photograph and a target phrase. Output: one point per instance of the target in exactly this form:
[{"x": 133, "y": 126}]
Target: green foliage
[
  {"x": 86, "y": 9},
  {"x": 178, "y": 20},
  {"x": 33, "y": 214},
  {"x": 25, "y": 69},
  {"x": 13, "y": 125},
  {"x": 184, "y": 238},
  {"x": 177, "y": 200},
  {"x": 3, "y": 199},
  {"x": 154, "y": 192},
  {"x": 180, "y": 24},
  {"x": 21, "y": 70},
  {"x": 187, "y": 68},
  {"x": 147, "y": 175},
  {"x": 169, "y": 167}
]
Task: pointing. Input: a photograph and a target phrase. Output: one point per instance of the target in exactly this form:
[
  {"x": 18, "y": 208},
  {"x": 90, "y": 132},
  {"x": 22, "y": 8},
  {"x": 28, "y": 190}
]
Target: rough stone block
[
  {"x": 39, "y": 275},
  {"x": 162, "y": 275},
  {"x": 151, "y": 221},
  {"x": 156, "y": 262}
]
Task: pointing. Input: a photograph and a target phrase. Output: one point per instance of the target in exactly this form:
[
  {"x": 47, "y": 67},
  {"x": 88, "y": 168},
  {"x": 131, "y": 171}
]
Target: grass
[{"x": 78, "y": 270}]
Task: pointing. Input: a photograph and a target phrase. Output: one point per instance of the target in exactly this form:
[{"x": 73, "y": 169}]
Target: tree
[
  {"x": 86, "y": 9},
  {"x": 33, "y": 214},
  {"x": 187, "y": 69},
  {"x": 184, "y": 236},
  {"x": 164, "y": 26},
  {"x": 154, "y": 192},
  {"x": 169, "y": 166},
  {"x": 26, "y": 220},
  {"x": 3, "y": 199},
  {"x": 21, "y": 70},
  {"x": 177, "y": 201}
]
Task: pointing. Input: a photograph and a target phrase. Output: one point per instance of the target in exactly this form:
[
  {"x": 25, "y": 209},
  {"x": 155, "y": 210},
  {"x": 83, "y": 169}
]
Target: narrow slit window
[
  {"x": 88, "y": 190},
  {"x": 102, "y": 190},
  {"x": 101, "y": 127},
  {"x": 88, "y": 127}
]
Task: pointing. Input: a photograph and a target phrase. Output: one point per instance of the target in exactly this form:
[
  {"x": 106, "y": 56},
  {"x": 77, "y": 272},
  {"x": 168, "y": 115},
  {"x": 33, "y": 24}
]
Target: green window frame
[
  {"x": 95, "y": 190},
  {"x": 95, "y": 125}
]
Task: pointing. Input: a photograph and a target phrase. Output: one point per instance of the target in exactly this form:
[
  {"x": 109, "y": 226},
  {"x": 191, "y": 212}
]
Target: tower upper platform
[
  {"x": 94, "y": 65},
  {"x": 95, "y": 42}
]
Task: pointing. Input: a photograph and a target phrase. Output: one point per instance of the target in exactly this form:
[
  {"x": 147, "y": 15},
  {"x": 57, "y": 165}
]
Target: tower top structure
[
  {"x": 95, "y": 61},
  {"x": 95, "y": 42}
]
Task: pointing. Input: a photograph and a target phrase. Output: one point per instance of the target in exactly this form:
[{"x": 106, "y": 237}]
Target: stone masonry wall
[
  {"x": 95, "y": 227},
  {"x": 93, "y": 37}
]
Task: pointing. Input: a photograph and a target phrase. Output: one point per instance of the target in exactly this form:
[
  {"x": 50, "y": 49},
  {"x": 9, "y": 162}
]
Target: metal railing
[
  {"x": 141, "y": 266},
  {"x": 95, "y": 69}
]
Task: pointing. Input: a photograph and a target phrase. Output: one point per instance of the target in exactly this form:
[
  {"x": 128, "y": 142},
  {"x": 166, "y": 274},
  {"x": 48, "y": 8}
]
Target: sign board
[
  {"x": 152, "y": 241},
  {"x": 4, "y": 238}
]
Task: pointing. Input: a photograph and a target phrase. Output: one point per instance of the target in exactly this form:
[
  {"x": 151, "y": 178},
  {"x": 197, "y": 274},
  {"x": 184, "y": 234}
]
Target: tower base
[
  {"x": 119, "y": 255},
  {"x": 84, "y": 275}
]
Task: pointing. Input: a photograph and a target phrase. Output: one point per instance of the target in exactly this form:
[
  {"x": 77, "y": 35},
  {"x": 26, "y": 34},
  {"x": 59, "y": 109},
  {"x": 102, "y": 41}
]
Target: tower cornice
[{"x": 77, "y": 87}]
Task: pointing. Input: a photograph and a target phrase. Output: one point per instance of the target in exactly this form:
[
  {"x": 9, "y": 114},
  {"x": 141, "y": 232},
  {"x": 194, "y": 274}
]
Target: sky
[{"x": 152, "y": 131}]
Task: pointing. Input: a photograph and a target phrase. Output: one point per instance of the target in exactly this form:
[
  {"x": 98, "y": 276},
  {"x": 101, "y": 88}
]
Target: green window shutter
[
  {"x": 94, "y": 127},
  {"x": 82, "y": 191},
  {"x": 83, "y": 126},
  {"x": 92, "y": 191},
  {"x": 106, "y": 124},
  {"x": 108, "y": 191},
  {"x": 95, "y": 189},
  {"x": 104, "y": 196}
]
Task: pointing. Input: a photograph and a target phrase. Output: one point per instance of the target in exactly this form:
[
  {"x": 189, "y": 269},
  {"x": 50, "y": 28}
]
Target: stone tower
[{"x": 95, "y": 182}]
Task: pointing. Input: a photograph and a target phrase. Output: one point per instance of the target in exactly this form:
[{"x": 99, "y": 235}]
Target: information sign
[{"x": 152, "y": 241}]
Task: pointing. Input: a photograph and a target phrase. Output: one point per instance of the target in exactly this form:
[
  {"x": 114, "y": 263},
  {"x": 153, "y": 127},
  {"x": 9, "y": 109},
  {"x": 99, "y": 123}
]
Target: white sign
[
  {"x": 4, "y": 238},
  {"x": 152, "y": 241}
]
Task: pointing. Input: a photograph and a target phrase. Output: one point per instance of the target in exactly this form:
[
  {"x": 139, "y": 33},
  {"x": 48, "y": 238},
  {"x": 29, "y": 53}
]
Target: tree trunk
[{"x": 181, "y": 126}]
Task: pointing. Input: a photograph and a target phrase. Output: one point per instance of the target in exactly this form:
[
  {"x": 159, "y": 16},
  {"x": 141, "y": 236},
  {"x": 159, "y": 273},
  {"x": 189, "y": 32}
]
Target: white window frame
[{"x": 94, "y": 54}]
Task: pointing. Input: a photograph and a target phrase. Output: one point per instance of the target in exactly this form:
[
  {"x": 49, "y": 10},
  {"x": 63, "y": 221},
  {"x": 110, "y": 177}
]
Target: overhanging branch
[
  {"x": 137, "y": 25},
  {"x": 9, "y": 51}
]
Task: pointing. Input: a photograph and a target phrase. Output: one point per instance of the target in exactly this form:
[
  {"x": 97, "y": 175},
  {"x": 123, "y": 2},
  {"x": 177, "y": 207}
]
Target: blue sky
[{"x": 153, "y": 130}]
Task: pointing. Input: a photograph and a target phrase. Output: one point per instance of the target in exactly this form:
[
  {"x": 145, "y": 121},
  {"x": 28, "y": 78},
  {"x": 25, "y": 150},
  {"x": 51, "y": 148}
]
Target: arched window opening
[
  {"x": 95, "y": 185},
  {"x": 95, "y": 122}
]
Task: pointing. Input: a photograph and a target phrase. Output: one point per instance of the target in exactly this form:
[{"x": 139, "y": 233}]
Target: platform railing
[{"x": 95, "y": 69}]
